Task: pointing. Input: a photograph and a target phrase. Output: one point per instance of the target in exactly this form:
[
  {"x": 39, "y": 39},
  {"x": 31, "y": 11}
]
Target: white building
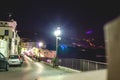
[{"x": 10, "y": 37}]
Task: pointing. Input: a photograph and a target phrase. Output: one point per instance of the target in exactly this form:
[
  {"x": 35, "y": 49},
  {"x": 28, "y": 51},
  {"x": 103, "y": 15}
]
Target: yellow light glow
[{"x": 41, "y": 55}]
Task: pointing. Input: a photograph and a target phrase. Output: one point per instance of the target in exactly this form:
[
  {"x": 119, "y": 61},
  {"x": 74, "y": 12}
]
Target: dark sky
[{"x": 37, "y": 19}]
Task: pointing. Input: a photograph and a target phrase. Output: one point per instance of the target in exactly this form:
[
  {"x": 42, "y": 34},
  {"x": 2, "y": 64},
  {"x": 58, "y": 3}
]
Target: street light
[
  {"x": 40, "y": 44},
  {"x": 57, "y": 33}
]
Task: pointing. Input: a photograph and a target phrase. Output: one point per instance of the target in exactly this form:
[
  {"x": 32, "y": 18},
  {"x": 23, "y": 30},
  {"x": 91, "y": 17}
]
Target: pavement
[
  {"x": 91, "y": 75},
  {"x": 79, "y": 75},
  {"x": 31, "y": 70},
  {"x": 63, "y": 68}
]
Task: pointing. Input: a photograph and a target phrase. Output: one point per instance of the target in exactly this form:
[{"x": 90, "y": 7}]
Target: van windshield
[{"x": 13, "y": 57}]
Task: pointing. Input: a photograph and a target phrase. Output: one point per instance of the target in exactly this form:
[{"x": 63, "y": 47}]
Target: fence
[{"x": 82, "y": 65}]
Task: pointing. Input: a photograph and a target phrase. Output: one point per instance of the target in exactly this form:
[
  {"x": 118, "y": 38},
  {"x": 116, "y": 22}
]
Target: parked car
[
  {"x": 3, "y": 62},
  {"x": 15, "y": 60}
]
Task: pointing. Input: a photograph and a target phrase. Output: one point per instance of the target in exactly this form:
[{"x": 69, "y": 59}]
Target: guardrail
[{"x": 82, "y": 65}]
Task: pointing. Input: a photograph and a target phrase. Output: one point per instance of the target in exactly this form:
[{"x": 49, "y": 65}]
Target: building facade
[
  {"x": 10, "y": 37},
  {"x": 32, "y": 48}
]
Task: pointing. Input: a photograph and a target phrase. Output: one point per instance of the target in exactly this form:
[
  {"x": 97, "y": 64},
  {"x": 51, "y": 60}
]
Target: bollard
[{"x": 112, "y": 43}]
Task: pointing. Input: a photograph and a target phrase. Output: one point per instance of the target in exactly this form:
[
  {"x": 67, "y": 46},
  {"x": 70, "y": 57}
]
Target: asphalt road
[{"x": 31, "y": 70}]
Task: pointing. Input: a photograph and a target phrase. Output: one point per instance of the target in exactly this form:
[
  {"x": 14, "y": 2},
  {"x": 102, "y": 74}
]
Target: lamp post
[
  {"x": 40, "y": 44},
  {"x": 57, "y": 34}
]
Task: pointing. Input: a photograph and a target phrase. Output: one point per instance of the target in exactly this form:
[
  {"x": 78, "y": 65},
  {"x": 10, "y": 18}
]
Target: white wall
[{"x": 3, "y": 47}]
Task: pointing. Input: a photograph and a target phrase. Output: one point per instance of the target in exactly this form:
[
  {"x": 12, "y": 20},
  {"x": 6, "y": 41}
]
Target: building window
[
  {"x": 5, "y": 23},
  {"x": 1, "y": 23},
  {"x": 6, "y": 32}
]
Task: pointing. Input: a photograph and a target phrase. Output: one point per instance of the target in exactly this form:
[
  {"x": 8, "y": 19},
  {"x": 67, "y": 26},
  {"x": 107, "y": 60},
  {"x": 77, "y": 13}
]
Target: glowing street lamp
[{"x": 57, "y": 33}]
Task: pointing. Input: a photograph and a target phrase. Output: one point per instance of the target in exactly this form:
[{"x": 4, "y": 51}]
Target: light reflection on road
[
  {"x": 39, "y": 67},
  {"x": 28, "y": 65},
  {"x": 33, "y": 69}
]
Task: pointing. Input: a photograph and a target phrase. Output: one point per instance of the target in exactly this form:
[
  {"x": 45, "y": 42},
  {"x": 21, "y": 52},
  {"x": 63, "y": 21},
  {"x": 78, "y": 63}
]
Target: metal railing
[{"x": 82, "y": 65}]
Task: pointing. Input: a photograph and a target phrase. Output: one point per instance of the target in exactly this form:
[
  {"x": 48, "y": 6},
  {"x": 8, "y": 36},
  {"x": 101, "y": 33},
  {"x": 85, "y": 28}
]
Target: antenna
[{"x": 10, "y": 16}]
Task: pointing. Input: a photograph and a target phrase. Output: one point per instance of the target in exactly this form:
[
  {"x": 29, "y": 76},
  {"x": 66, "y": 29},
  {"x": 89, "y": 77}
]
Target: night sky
[{"x": 78, "y": 19}]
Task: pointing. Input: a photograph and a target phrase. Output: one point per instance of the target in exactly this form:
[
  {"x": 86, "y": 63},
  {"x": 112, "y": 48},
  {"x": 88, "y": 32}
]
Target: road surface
[{"x": 31, "y": 70}]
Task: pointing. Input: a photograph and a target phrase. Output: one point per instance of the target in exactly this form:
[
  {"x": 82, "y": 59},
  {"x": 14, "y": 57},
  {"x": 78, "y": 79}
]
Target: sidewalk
[
  {"x": 78, "y": 75},
  {"x": 63, "y": 68},
  {"x": 91, "y": 75}
]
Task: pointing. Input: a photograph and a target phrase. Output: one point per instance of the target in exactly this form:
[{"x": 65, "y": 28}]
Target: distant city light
[
  {"x": 89, "y": 32},
  {"x": 40, "y": 44},
  {"x": 63, "y": 46}
]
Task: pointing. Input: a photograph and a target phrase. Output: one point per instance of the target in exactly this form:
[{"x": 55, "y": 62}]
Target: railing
[{"x": 82, "y": 65}]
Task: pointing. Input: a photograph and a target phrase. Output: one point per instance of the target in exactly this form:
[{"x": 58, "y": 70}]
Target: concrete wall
[{"x": 112, "y": 40}]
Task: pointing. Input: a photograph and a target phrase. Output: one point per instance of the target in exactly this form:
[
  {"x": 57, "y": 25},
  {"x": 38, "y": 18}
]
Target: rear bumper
[{"x": 16, "y": 63}]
